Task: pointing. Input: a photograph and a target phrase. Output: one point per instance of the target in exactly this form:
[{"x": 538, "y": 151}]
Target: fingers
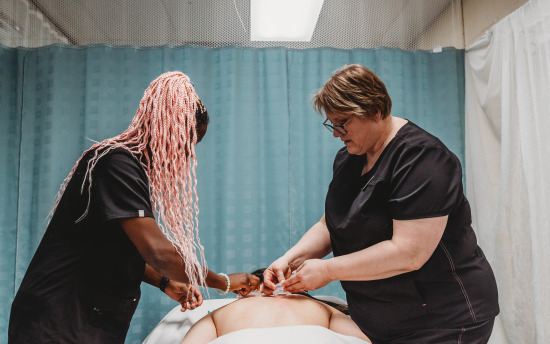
[
  {"x": 297, "y": 287},
  {"x": 295, "y": 283},
  {"x": 243, "y": 283},
  {"x": 192, "y": 299},
  {"x": 197, "y": 295},
  {"x": 311, "y": 275},
  {"x": 292, "y": 284},
  {"x": 269, "y": 281},
  {"x": 275, "y": 274},
  {"x": 190, "y": 303},
  {"x": 281, "y": 276},
  {"x": 252, "y": 283}
]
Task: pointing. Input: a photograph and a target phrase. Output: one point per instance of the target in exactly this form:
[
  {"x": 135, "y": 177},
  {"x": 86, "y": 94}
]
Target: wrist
[
  {"x": 163, "y": 283},
  {"x": 329, "y": 269},
  {"x": 226, "y": 284},
  {"x": 293, "y": 262}
]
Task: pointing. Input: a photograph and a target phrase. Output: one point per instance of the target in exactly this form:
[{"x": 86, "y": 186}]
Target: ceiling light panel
[{"x": 283, "y": 20}]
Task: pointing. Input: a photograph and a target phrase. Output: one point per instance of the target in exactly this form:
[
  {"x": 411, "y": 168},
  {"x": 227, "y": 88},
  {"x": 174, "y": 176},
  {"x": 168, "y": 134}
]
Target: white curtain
[{"x": 507, "y": 165}]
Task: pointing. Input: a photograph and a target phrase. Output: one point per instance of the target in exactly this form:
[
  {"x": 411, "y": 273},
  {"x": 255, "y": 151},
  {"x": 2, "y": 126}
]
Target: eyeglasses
[{"x": 339, "y": 128}]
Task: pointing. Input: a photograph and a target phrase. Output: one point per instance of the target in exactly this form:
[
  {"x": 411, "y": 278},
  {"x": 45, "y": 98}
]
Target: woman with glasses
[{"x": 398, "y": 224}]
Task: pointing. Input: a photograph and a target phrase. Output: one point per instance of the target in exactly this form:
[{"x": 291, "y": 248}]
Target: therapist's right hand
[
  {"x": 243, "y": 283},
  {"x": 277, "y": 272}
]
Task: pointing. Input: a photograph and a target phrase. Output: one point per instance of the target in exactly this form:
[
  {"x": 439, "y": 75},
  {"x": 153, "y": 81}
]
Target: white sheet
[
  {"x": 304, "y": 334},
  {"x": 173, "y": 327}
]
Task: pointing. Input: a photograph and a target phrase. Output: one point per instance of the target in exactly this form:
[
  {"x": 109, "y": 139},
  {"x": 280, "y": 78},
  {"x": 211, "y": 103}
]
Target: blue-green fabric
[
  {"x": 10, "y": 130},
  {"x": 263, "y": 167}
]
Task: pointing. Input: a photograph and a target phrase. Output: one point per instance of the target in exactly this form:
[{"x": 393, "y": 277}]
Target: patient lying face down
[{"x": 261, "y": 311}]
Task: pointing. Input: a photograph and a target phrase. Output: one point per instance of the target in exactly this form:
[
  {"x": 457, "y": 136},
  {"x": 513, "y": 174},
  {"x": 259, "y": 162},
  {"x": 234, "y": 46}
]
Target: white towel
[{"x": 303, "y": 334}]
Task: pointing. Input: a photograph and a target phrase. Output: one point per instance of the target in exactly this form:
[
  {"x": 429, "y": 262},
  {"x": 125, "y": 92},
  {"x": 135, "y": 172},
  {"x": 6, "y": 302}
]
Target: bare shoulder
[
  {"x": 202, "y": 332},
  {"x": 343, "y": 324}
]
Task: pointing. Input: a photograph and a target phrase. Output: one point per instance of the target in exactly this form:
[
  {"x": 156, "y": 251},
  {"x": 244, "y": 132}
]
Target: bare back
[
  {"x": 268, "y": 312},
  {"x": 271, "y": 311}
]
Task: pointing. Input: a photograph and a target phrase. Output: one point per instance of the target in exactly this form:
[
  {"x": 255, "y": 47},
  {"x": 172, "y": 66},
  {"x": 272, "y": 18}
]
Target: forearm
[
  {"x": 314, "y": 244},
  {"x": 213, "y": 280},
  {"x": 174, "y": 269},
  {"x": 379, "y": 261},
  {"x": 164, "y": 260},
  {"x": 237, "y": 281},
  {"x": 157, "y": 251},
  {"x": 412, "y": 244},
  {"x": 151, "y": 276}
]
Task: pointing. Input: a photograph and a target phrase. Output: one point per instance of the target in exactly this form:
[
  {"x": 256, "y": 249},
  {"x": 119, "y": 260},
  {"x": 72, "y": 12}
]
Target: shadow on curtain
[{"x": 264, "y": 165}]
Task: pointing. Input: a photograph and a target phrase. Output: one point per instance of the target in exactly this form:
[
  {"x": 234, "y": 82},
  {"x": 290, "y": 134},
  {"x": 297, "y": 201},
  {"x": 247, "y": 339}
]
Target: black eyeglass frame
[{"x": 339, "y": 128}]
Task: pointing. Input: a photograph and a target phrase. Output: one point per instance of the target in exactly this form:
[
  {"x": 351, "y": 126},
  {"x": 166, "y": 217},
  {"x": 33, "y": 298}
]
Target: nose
[{"x": 336, "y": 133}]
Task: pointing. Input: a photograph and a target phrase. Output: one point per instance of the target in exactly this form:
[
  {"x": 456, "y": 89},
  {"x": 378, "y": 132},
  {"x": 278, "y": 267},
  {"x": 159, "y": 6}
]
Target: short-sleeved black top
[
  {"x": 83, "y": 283},
  {"x": 415, "y": 177}
]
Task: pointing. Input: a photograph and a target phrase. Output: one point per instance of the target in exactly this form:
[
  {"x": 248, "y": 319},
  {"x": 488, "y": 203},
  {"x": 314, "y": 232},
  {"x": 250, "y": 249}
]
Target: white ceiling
[{"x": 407, "y": 24}]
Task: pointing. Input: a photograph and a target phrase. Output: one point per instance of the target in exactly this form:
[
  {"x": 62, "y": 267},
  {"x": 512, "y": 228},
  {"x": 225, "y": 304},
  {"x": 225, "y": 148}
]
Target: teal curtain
[{"x": 264, "y": 164}]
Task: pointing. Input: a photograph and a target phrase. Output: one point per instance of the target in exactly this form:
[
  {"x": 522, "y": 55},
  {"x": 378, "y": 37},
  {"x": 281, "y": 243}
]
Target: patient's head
[
  {"x": 260, "y": 274},
  {"x": 341, "y": 307}
]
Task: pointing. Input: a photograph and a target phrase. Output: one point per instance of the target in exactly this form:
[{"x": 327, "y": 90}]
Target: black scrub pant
[{"x": 471, "y": 334}]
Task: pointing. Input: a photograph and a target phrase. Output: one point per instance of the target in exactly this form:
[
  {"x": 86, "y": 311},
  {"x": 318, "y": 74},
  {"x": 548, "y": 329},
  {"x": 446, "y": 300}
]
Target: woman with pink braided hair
[{"x": 83, "y": 283}]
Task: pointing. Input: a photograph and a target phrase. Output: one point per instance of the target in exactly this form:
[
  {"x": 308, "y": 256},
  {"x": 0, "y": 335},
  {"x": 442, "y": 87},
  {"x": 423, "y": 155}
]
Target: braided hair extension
[{"x": 162, "y": 136}]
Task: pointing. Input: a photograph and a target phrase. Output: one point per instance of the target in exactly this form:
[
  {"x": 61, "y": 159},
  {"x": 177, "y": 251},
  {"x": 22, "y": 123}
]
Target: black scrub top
[
  {"x": 83, "y": 283},
  {"x": 415, "y": 177}
]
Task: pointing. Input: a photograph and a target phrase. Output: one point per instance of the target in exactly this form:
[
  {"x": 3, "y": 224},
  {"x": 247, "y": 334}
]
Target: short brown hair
[{"x": 353, "y": 89}]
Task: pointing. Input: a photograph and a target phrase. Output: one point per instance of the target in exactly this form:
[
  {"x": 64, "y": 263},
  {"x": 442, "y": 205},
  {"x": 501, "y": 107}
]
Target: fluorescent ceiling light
[{"x": 283, "y": 20}]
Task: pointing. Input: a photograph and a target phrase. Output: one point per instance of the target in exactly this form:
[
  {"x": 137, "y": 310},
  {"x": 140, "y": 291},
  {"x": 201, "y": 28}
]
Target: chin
[{"x": 352, "y": 150}]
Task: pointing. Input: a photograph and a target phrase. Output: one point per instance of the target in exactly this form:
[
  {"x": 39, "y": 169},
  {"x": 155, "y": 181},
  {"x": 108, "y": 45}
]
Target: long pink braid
[{"x": 165, "y": 123}]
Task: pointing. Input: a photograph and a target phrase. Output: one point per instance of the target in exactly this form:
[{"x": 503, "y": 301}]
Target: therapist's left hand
[
  {"x": 186, "y": 294},
  {"x": 311, "y": 275}
]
